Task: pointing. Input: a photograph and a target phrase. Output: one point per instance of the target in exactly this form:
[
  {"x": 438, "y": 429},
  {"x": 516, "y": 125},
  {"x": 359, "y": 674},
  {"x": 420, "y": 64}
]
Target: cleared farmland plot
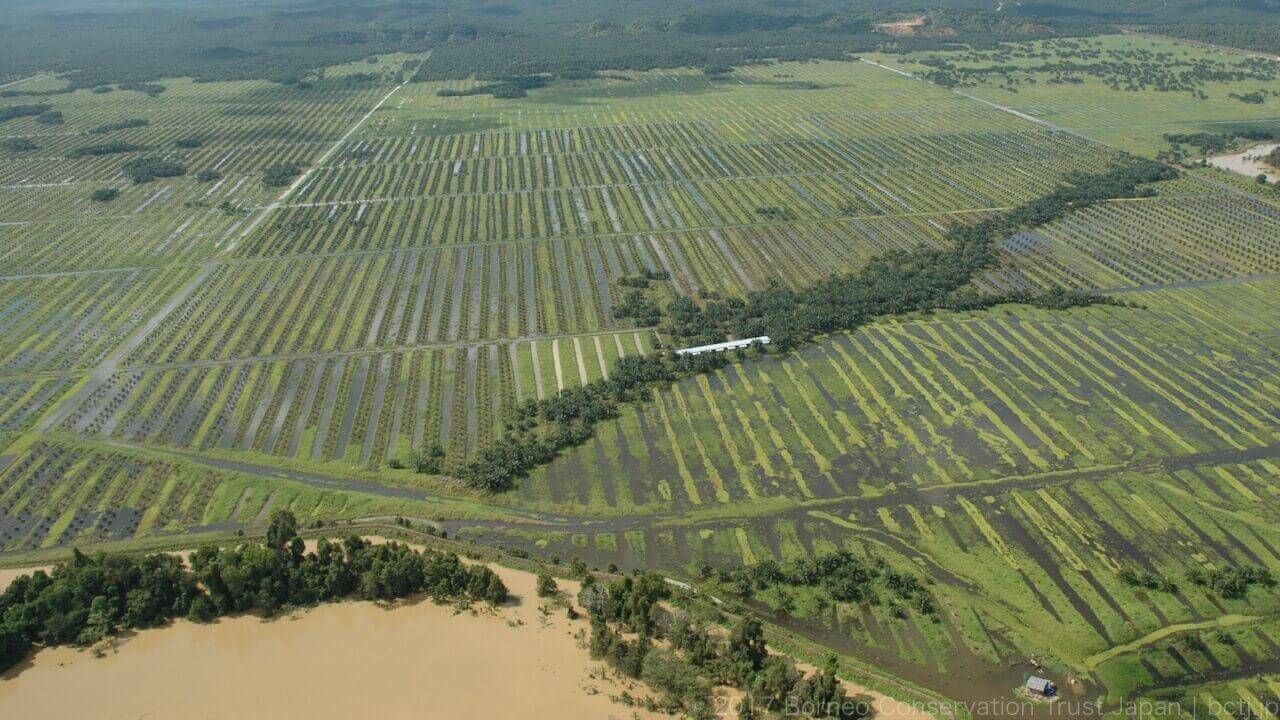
[
  {"x": 392, "y": 299},
  {"x": 50, "y": 224},
  {"x": 191, "y": 355},
  {"x": 113, "y": 242}
]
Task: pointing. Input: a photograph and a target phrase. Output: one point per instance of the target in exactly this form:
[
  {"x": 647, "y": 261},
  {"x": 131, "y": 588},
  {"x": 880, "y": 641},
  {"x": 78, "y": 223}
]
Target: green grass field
[{"x": 1111, "y": 112}]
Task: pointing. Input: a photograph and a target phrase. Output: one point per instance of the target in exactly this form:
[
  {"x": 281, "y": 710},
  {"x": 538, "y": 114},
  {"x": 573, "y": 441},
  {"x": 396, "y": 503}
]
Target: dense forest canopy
[{"x": 285, "y": 39}]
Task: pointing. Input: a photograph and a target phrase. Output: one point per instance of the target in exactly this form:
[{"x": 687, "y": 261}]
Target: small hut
[{"x": 1041, "y": 687}]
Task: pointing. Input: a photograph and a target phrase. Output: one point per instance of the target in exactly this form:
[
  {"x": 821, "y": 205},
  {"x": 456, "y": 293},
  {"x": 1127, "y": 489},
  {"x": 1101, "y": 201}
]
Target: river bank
[
  {"x": 412, "y": 659},
  {"x": 342, "y": 660}
]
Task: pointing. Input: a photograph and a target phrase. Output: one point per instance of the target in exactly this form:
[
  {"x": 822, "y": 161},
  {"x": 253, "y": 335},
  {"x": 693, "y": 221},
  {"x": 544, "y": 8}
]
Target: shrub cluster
[
  {"x": 18, "y": 144},
  {"x": 1127, "y": 69},
  {"x": 145, "y": 169},
  {"x": 901, "y": 282},
  {"x": 1213, "y": 143},
  {"x": 541, "y": 429},
  {"x": 1147, "y": 580},
  {"x": 114, "y": 147},
  {"x": 516, "y": 87},
  {"x": 696, "y": 659},
  {"x": 13, "y": 112},
  {"x": 643, "y": 278},
  {"x": 121, "y": 125},
  {"x": 280, "y": 175},
  {"x": 148, "y": 89},
  {"x": 1252, "y": 98},
  {"x": 638, "y": 309},
  {"x": 842, "y": 575},
  {"x": 1231, "y": 582}
]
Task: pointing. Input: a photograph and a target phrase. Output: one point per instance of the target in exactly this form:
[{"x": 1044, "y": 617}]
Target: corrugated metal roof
[{"x": 720, "y": 347}]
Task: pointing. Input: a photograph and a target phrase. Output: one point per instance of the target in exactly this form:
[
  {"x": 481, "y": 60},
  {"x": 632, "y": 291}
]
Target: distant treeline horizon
[{"x": 285, "y": 40}]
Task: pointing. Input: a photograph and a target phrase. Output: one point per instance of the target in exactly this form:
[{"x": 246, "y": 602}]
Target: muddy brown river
[
  {"x": 340, "y": 661},
  {"x": 416, "y": 661}
]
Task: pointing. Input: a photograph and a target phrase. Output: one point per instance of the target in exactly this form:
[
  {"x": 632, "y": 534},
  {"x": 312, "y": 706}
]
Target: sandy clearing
[
  {"x": 20, "y": 81},
  {"x": 1249, "y": 162},
  {"x": 903, "y": 27},
  {"x": 8, "y": 575},
  {"x": 884, "y": 707}
]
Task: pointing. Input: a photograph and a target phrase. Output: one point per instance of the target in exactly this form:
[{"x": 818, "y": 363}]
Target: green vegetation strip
[{"x": 1093, "y": 662}]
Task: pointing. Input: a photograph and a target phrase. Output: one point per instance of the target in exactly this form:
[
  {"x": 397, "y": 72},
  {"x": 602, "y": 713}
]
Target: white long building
[{"x": 724, "y": 346}]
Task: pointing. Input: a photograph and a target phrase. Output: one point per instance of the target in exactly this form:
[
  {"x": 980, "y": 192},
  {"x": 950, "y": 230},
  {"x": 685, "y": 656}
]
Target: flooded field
[{"x": 1249, "y": 162}]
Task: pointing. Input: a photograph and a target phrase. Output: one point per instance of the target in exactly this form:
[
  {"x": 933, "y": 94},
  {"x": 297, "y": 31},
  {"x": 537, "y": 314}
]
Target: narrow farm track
[
  {"x": 76, "y": 273},
  {"x": 1237, "y": 191},
  {"x": 1209, "y": 123},
  {"x": 15, "y": 83},
  {"x": 1026, "y": 116},
  {"x": 641, "y": 184},
  {"x": 1094, "y": 661},
  {"x": 688, "y": 230},
  {"x": 726, "y": 518},
  {"x": 115, "y": 363},
  {"x": 784, "y": 224}
]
